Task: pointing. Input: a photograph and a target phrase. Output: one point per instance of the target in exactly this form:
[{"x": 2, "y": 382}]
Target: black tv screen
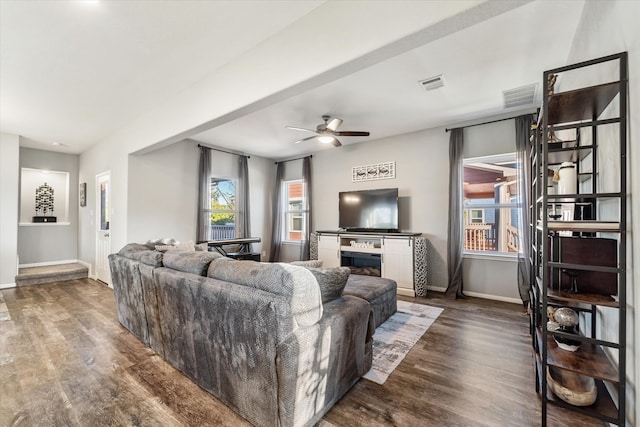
[{"x": 369, "y": 210}]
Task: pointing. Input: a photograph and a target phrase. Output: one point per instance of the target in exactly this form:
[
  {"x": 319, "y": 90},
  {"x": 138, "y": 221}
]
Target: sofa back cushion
[
  {"x": 194, "y": 262},
  {"x": 295, "y": 283},
  {"x": 331, "y": 281},
  {"x": 143, "y": 253}
]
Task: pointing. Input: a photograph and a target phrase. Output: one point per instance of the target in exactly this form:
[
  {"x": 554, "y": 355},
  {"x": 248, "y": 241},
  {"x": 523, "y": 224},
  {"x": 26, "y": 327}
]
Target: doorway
[{"x": 103, "y": 222}]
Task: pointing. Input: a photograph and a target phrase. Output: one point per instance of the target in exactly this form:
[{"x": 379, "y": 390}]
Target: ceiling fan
[{"x": 327, "y": 132}]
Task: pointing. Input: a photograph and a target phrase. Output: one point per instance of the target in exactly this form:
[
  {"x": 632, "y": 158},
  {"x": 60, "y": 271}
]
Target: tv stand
[{"x": 401, "y": 256}]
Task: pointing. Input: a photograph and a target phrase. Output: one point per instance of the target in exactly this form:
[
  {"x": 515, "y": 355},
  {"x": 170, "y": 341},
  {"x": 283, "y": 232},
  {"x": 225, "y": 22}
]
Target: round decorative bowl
[{"x": 566, "y": 317}]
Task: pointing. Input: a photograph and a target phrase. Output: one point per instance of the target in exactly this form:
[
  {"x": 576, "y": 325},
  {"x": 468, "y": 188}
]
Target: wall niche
[{"x": 44, "y": 197}]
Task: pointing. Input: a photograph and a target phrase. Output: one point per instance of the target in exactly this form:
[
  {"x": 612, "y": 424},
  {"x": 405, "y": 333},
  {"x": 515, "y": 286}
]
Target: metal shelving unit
[{"x": 582, "y": 113}]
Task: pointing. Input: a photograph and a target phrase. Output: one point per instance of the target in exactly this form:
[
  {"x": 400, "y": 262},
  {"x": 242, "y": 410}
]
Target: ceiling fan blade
[
  {"x": 304, "y": 139},
  {"x": 302, "y": 129},
  {"x": 336, "y": 143},
  {"x": 334, "y": 123},
  {"x": 351, "y": 133}
]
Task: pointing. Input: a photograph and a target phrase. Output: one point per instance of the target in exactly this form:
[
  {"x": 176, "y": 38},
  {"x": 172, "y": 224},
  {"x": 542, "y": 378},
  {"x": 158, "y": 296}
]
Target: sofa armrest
[{"x": 318, "y": 364}]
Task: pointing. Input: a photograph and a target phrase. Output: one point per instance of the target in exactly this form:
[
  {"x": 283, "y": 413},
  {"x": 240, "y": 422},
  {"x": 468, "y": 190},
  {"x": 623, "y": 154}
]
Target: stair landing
[{"x": 51, "y": 273}]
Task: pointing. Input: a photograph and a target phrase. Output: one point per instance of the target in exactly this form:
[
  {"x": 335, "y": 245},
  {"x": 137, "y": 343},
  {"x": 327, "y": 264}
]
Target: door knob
[{"x": 106, "y": 234}]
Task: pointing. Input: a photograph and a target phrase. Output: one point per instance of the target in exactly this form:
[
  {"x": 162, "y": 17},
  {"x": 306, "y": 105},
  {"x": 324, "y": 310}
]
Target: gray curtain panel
[
  {"x": 244, "y": 211},
  {"x": 276, "y": 228},
  {"x": 523, "y": 149},
  {"x": 455, "y": 237},
  {"x": 306, "y": 209},
  {"x": 203, "y": 227}
]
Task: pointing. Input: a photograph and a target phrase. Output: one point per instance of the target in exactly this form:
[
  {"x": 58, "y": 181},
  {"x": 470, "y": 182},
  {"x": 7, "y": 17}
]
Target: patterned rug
[{"x": 395, "y": 337}]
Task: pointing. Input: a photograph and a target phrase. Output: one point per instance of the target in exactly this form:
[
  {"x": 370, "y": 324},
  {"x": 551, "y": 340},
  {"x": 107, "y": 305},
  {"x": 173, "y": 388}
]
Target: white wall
[
  {"x": 606, "y": 28},
  {"x": 9, "y": 188},
  {"x": 422, "y": 179},
  {"x": 163, "y": 192},
  {"x": 50, "y": 242}
]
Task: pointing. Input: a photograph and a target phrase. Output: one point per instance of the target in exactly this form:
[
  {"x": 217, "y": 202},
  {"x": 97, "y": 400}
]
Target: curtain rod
[
  {"x": 291, "y": 160},
  {"x": 485, "y": 123},
  {"x": 223, "y": 151}
]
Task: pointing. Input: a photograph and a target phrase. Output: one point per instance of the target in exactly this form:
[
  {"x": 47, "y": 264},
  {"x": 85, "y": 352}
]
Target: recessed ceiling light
[{"x": 55, "y": 143}]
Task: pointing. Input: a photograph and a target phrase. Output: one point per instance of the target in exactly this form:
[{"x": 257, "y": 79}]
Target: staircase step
[{"x": 51, "y": 273}]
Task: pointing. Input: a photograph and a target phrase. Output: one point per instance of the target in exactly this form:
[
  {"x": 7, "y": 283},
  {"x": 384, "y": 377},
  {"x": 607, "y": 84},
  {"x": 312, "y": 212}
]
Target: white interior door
[{"x": 103, "y": 232}]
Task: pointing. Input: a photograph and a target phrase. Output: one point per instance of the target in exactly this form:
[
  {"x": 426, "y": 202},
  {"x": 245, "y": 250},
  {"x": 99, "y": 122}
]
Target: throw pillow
[
  {"x": 164, "y": 248},
  {"x": 310, "y": 263},
  {"x": 331, "y": 281},
  {"x": 190, "y": 262},
  {"x": 202, "y": 246}
]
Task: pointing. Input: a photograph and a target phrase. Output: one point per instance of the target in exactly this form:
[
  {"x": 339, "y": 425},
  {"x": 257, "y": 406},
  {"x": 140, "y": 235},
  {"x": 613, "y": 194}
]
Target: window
[
  {"x": 491, "y": 205},
  {"x": 294, "y": 221},
  {"x": 224, "y": 209}
]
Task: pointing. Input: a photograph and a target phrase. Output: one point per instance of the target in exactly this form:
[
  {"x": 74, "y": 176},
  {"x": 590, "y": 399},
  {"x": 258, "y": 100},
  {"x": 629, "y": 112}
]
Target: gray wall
[
  {"x": 163, "y": 192},
  {"x": 606, "y": 28},
  {"x": 422, "y": 168},
  {"x": 485, "y": 275},
  {"x": 49, "y": 243},
  {"x": 422, "y": 178},
  {"x": 9, "y": 188}
]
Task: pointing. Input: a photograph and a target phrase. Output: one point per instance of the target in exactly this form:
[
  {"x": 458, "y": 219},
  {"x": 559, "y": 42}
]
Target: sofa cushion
[
  {"x": 310, "y": 263},
  {"x": 143, "y": 253},
  {"x": 190, "y": 261},
  {"x": 291, "y": 281},
  {"x": 331, "y": 281}
]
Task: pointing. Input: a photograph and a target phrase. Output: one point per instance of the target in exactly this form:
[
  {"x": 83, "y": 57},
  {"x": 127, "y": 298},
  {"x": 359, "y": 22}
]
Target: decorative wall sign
[
  {"x": 385, "y": 170},
  {"x": 44, "y": 204},
  {"x": 83, "y": 194}
]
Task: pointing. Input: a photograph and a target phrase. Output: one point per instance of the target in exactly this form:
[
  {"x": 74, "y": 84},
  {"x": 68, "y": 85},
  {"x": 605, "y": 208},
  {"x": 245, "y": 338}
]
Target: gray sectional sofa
[{"x": 263, "y": 338}]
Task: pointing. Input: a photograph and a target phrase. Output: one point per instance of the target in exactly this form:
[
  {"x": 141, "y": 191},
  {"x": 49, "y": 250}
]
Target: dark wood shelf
[
  {"x": 589, "y": 359},
  {"x": 582, "y": 226},
  {"x": 602, "y": 408},
  {"x": 578, "y": 298},
  {"x": 581, "y": 104}
]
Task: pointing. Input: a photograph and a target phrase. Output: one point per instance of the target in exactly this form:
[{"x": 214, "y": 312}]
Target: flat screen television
[{"x": 369, "y": 210}]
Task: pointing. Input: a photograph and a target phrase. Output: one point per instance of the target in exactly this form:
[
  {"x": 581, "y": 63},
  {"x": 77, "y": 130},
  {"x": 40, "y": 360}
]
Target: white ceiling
[{"x": 73, "y": 74}]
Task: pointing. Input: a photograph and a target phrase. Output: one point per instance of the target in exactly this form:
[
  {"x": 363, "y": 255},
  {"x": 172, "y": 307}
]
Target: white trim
[
  {"x": 7, "y": 285},
  {"x": 48, "y": 263},
  {"x": 493, "y": 297},
  {"x": 488, "y": 256},
  {"x": 480, "y": 295},
  {"x": 40, "y": 224}
]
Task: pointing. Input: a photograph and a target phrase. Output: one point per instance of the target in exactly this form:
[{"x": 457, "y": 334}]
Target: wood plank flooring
[{"x": 66, "y": 361}]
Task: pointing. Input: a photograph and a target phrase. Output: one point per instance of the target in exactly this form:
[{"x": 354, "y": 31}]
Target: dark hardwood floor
[{"x": 66, "y": 361}]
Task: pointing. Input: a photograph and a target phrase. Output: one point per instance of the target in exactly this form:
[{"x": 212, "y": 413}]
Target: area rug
[
  {"x": 4, "y": 311},
  {"x": 395, "y": 337}
]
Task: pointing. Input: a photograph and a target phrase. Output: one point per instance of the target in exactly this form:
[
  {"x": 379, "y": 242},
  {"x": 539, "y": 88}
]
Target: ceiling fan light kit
[{"x": 326, "y": 132}]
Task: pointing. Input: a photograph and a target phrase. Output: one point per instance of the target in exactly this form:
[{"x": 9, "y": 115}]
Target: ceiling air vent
[
  {"x": 520, "y": 96},
  {"x": 432, "y": 82}
]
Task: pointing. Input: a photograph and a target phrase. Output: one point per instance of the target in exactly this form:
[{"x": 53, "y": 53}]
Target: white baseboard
[
  {"x": 7, "y": 285},
  {"x": 48, "y": 263},
  {"x": 481, "y": 295}
]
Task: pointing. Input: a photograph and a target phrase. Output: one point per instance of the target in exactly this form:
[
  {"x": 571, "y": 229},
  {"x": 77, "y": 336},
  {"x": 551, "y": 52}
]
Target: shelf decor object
[
  {"x": 578, "y": 257},
  {"x": 44, "y": 204}
]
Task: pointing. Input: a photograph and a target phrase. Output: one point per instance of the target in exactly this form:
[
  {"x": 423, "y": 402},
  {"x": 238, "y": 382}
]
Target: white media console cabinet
[{"x": 398, "y": 256}]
